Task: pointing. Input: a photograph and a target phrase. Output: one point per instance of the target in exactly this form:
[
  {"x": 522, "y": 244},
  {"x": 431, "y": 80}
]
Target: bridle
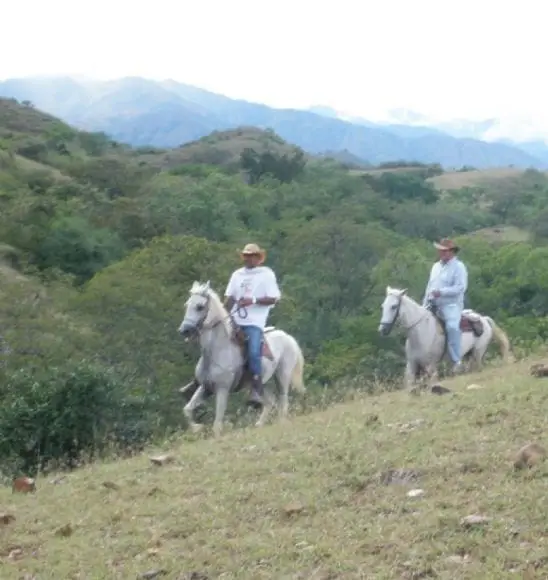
[
  {"x": 388, "y": 326},
  {"x": 201, "y": 325}
]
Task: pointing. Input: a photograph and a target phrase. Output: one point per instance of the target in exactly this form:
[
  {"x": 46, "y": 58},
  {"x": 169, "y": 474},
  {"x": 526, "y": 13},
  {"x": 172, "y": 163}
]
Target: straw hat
[
  {"x": 446, "y": 244},
  {"x": 254, "y": 250}
]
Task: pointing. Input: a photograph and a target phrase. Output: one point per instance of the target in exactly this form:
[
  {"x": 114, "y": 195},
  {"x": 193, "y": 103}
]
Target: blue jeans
[
  {"x": 451, "y": 314},
  {"x": 254, "y": 343}
]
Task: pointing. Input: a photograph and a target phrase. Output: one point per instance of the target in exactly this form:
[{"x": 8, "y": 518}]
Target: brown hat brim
[
  {"x": 446, "y": 248},
  {"x": 261, "y": 255}
]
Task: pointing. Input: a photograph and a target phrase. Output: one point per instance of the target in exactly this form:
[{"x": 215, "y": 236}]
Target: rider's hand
[
  {"x": 245, "y": 302},
  {"x": 436, "y": 293}
]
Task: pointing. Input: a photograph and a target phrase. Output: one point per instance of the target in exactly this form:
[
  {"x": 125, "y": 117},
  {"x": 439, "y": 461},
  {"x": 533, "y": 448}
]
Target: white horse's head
[
  {"x": 391, "y": 308},
  {"x": 197, "y": 309},
  {"x": 204, "y": 309}
]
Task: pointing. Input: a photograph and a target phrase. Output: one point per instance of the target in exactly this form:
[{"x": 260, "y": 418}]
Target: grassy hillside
[
  {"x": 102, "y": 242},
  {"x": 316, "y": 498},
  {"x": 473, "y": 178},
  {"x": 503, "y": 235},
  {"x": 221, "y": 148},
  {"x": 17, "y": 119}
]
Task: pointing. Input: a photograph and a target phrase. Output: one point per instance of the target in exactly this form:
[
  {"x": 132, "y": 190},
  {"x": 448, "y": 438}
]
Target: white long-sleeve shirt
[{"x": 451, "y": 280}]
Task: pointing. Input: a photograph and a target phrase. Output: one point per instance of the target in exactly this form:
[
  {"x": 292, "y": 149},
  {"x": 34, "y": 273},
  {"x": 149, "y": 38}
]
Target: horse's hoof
[{"x": 196, "y": 428}]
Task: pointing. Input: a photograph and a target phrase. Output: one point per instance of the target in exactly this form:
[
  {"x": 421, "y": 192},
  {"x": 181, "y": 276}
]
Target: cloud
[{"x": 446, "y": 59}]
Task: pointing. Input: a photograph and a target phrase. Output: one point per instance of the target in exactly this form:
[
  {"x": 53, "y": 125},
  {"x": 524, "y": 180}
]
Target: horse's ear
[
  {"x": 207, "y": 285},
  {"x": 388, "y": 289},
  {"x": 195, "y": 285},
  {"x": 403, "y": 292}
]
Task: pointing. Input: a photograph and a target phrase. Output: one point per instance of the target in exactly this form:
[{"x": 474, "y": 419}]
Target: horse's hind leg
[
  {"x": 283, "y": 382},
  {"x": 476, "y": 357},
  {"x": 269, "y": 403}
]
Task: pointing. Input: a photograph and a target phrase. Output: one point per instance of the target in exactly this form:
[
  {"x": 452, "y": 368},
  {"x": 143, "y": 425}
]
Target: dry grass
[
  {"x": 379, "y": 171},
  {"x": 476, "y": 178},
  {"x": 503, "y": 234},
  {"x": 305, "y": 500}
]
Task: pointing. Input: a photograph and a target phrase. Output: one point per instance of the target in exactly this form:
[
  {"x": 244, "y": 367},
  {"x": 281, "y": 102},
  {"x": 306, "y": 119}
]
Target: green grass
[{"x": 306, "y": 500}]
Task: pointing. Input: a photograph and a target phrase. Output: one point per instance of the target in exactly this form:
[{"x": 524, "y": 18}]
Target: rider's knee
[{"x": 452, "y": 326}]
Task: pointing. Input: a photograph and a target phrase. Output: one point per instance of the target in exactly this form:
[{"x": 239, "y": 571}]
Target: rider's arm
[
  {"x": 230, "y": 294},
  {"x": 229, "y": 302},
  {"x": 459, "y": 285},
  {"x": 272, "y": 290},
  {"x": 428, "y": 286}
]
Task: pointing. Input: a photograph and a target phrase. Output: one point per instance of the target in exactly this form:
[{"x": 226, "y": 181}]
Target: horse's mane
[
  {"x": 216, "y": 306},
  {"x": 397, "y": 292}
]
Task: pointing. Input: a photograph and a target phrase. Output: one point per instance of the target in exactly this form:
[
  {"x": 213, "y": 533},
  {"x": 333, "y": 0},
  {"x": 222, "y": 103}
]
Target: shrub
[{"x": 62, "y": 416}]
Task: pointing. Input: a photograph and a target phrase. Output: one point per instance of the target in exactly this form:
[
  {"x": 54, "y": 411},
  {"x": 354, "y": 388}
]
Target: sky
[{"x": 447, "y": 59}]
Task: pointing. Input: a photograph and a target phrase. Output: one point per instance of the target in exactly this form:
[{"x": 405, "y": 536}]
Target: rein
[
  {"x": 390, "y": 325},
  {"x": 240, "y": 310}
]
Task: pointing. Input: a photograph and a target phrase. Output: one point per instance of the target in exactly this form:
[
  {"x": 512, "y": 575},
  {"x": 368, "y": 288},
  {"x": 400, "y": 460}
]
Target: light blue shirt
[{"x": 451, "y": 279}]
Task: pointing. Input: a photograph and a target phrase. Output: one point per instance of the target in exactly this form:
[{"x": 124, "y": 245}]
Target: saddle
[
  {"x": 240, "y": 338},
  {"x": 470, "y": 321}
]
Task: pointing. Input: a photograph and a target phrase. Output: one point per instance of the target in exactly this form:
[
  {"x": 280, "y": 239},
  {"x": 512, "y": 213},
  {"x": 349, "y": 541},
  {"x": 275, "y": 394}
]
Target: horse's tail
[
  {"x": 502, "y": 339},
  {"x": 297, "y": 379}
]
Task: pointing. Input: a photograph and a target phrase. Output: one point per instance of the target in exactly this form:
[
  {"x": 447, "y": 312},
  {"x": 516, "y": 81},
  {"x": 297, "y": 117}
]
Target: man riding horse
[
  {"x": 445, "y": 295},
  {"x": 250, "y": 294}
]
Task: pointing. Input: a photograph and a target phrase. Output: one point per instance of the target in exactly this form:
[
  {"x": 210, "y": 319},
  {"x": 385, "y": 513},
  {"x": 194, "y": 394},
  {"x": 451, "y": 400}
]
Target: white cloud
[{"x": 443, "y": 58}]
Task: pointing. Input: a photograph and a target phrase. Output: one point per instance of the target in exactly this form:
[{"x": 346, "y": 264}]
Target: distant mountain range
[{"x": 142, "y": 112}]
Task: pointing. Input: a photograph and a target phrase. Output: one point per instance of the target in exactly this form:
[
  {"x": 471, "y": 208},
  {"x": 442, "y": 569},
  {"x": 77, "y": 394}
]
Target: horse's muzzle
[
  {"x": 384, "y": 329},
  {"x": 186, "y": 330}
]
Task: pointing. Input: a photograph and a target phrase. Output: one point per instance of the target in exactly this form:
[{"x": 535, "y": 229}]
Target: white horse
[
  {"x": 221, "y": 365},
  {"x": 426, "y": 343}
]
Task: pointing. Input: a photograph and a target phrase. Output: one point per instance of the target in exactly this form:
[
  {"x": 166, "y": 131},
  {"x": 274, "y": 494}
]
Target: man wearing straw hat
[
  {"x": 445, "y": 292},
  {"x": 250, "y": 294}
]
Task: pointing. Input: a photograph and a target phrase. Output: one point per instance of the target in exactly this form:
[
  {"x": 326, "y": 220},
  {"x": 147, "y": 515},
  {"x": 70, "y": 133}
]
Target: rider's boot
[{"x": 256, "y": 396}]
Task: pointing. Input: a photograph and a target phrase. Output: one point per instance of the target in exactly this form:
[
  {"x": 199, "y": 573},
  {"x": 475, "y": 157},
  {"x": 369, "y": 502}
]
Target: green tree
[{"x": 77, "y": 248}]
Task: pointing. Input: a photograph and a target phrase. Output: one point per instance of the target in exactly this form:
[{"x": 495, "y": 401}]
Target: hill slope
[
  {"x": 168, "y": 114},
  {"x": 111, "y": 238},
  {"x": 317, "y": 498},
  {"x": 222, "y": 148}
]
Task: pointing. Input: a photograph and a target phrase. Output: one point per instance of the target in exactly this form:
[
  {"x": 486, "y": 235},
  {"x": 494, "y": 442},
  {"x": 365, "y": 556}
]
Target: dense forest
[{"x": 100, "y": 243}]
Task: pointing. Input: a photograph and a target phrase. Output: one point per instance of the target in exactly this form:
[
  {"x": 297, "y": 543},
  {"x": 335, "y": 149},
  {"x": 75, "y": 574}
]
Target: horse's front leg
[
  {"x": 431, "y": 372},
  {"x": 410, "y": 376},
  {"x": 221, "y": 400},
  {"x": 188, "y": 390},
  {"x": 196, "y": 400}
]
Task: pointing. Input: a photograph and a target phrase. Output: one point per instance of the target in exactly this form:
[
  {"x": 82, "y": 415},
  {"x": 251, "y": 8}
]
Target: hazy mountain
[{"x": 167, "y": 114}]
